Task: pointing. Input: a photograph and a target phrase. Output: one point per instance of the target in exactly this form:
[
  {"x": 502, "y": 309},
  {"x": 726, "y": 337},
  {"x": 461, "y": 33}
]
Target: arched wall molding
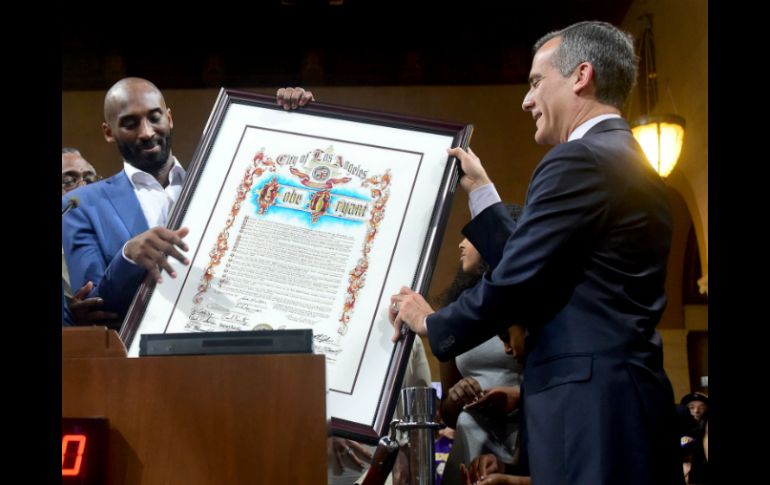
[{"x": 699, "y": 215}]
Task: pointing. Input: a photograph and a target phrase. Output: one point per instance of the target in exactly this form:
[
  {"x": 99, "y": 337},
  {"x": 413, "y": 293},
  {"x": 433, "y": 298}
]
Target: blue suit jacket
[
  {"x": 584, "y": 271},
  {"x": 93, "y": 235},
  {"x": 66, "y": 315}
]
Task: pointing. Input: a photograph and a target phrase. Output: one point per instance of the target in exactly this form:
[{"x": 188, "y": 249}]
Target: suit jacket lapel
[{"x": 122, "y": 197}]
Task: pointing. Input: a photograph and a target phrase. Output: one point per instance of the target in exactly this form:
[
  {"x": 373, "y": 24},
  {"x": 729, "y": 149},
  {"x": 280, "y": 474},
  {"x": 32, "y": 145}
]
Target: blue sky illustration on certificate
[{"x": 301, "y": 213}]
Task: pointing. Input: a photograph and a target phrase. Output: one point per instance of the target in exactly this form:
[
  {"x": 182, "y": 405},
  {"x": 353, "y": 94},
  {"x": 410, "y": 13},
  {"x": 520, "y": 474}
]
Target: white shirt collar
[
  {"x": 139, "y": 177},
  {"x": 581, "y": 130}
]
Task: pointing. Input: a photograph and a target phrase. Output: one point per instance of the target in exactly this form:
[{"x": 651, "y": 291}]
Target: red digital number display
[
  {"x": 84, "y": 443},
  {"x": 73, "y": 446}
]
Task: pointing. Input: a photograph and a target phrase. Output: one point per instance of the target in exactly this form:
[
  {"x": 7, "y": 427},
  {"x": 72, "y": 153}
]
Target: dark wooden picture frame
[{"x": 418, "y": 216}]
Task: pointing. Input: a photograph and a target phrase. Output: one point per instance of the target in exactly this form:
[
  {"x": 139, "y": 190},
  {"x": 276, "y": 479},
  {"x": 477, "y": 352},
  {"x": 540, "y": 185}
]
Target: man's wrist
[
  {"x": 123, "y": 253},
  {"x": 482, "y": 197}
]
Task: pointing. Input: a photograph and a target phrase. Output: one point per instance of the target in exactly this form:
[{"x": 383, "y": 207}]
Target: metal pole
[{"x": 420, "y": 420}]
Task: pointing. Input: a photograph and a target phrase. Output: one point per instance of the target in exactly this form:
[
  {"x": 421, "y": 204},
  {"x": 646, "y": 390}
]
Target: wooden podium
[{"x": 225, "y": 419}]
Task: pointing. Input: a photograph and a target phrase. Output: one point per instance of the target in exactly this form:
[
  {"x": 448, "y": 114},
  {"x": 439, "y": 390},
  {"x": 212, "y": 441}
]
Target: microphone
[{"x": 72, "y": 203}]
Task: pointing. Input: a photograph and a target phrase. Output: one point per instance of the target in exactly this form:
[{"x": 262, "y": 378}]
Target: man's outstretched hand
[
  {"x": 150, "y": 249},
  {"x": 408, "y": 307}
]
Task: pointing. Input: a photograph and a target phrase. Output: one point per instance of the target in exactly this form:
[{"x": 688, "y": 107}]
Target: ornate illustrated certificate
[
  {"x": 293, "y": 239},
  {"x": 308, "y": 219}
]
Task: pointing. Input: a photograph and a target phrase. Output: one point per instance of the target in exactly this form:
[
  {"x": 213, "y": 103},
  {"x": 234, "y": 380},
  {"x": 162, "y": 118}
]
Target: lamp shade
[{"x": 661, "y": 138}]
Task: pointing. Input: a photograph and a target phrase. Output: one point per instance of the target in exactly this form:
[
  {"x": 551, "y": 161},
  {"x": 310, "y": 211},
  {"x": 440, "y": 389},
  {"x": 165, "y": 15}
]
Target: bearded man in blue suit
[
  {"x": 117, "y": 233},
  {"x": 583, "y": 270}
]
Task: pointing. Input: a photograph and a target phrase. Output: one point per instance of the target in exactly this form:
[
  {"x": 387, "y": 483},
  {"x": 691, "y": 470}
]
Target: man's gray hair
[
  {"x": 608, "y": 49},
  {"x": 69, "y": 150}
]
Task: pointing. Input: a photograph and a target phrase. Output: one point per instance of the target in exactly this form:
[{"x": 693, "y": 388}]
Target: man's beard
[{"x": 147, "y": 162}]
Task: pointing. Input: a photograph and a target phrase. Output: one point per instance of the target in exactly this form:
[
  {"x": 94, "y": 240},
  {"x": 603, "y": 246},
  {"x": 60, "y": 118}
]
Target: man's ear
[
  {"x": 584, "y": 74},
  {"x": 170, "y": 119},
  {"x": 107, "y": 132}
]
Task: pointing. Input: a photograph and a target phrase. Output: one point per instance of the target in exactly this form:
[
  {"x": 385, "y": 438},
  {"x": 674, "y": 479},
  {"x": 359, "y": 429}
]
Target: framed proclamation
[{"x": 309, "y": 219}]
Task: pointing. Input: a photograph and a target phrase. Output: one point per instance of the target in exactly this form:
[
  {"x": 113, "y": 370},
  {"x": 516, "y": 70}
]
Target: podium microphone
[{"x": 72, "y": 203}]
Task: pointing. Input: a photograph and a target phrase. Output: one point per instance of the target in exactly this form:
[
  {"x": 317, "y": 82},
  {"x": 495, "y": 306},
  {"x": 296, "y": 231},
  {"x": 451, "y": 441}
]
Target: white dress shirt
[{"x": 156, "y": 201}]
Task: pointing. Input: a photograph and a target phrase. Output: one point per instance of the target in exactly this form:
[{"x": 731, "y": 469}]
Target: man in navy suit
[
  {"x": 117, "y": 233},
  {"x": 583, "y": 270}
]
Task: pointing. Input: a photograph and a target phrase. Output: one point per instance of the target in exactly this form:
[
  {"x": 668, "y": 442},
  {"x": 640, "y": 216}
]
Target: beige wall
[
  {"x": 681, "y": 46},
  {"x": 676, "y": 361},
  {"x": 82, "y": 117},
  {"x": 502, "y": 139}
]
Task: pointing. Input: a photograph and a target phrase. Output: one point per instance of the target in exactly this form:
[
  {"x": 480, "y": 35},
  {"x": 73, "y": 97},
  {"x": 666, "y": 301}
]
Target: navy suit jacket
[
  {"x": 93, "y": 235},
  {"x": 584, "y": 271}
]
